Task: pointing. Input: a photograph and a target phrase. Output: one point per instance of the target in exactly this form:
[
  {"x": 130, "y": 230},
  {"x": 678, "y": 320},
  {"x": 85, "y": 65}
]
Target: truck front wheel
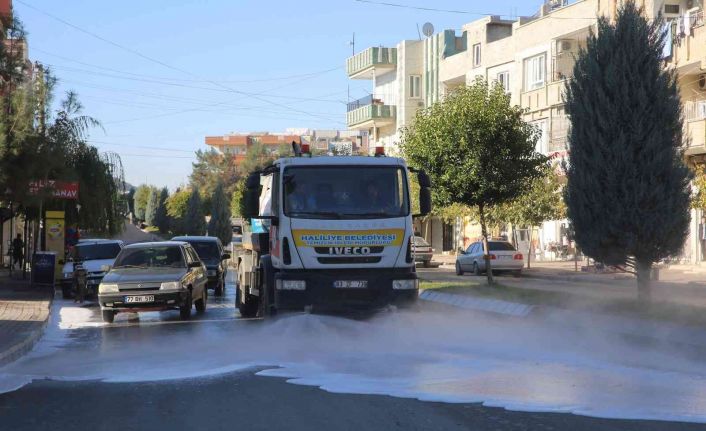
[
  {"x": 267, "y": 288},
  {"x": 249, "y": 305}
]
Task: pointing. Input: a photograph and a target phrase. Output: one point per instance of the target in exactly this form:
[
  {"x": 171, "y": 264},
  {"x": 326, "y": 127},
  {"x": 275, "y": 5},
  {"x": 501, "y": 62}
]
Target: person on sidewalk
[
  {"x": 80, "y": 275},
  {"x": 18, "y": 250}
]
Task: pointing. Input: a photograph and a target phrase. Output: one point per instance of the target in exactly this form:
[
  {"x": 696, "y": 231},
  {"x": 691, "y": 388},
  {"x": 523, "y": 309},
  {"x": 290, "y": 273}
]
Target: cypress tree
[
  {"x": 628, "y": 189},
  {"x": 194, "y": 221},
  {"x": 151, "y": 209},
  {"x": 219, "y": 225},
  {"x": 161, "y": 218}
]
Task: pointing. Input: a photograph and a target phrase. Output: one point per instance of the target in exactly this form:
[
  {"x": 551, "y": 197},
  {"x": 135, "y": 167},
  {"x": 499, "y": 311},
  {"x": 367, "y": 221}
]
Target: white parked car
[
  {"x": 503, "y": 257},
  {"x": 93, "y": 255}
]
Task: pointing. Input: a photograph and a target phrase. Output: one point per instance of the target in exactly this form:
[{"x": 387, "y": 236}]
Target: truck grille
[{"x": 349, "y": 259}]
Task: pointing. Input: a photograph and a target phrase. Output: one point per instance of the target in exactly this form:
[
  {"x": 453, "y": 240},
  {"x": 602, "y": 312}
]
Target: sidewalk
[
  {"x": 566, "y": 271},
  {"x": 24, "y": 312}
]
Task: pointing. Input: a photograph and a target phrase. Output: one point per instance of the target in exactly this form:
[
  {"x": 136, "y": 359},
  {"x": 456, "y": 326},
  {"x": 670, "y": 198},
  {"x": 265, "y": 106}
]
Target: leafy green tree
[
  {"x": 476, "y": 148},
  {"x": 628, "y": 188},
  {"x": 161, "y": 218},
  {"x": 542, "y": 202},
  {"x": 151, "y": 208},
  {"x": 212, "y": 168},
  {"x": 176, "y": 210},
  {"x": 194, "y": 219},
  {"x": 220, "y": 225},
  {"x": 236, "y": 200},
  {"x": 141, "y": 197},
  {"x": 698, "y": 200}
]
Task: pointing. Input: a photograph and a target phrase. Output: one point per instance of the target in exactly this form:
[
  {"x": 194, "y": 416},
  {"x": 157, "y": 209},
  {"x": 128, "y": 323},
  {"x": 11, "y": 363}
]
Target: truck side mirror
[
  {"x": 252, "y": 196},
  {"x": 424, "y": 193},
  {"x": 253, "y": 181},
  {"x": 424, "y": 201}
]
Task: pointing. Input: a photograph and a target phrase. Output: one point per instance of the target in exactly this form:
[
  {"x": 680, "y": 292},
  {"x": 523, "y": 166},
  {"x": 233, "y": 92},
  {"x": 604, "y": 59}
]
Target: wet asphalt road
[{"x": 242, "y": 400}]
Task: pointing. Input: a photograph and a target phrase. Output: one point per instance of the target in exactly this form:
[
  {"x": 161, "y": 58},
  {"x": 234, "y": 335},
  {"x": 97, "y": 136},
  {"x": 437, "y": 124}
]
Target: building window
[
  {"x": 535, "y": 71},
  {"x": 542, "y": 145},
  {"x": 672, "y": 9},
  {"x": 415, "y": 86},
  {"x": 504, "y": 80},
  {"x": 476, "y": 55}
]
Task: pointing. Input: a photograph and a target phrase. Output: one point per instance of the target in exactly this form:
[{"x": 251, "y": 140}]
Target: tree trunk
[
  {"x": 644, "y": 279},
  {"x": 529, "y": 247},
  {"x": 486, "y": 253}
]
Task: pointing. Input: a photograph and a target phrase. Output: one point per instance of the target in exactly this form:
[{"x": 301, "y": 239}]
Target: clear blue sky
[{"x": 222, "y": 47}]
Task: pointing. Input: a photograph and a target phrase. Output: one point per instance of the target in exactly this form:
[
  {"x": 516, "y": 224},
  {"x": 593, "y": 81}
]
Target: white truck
[{"x": 335, "y": 233}]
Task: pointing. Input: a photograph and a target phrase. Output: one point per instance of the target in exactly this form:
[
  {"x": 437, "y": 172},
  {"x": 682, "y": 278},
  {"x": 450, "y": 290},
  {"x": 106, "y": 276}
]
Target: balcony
[
  {"x": 373, "y": 60},
  {"x": 695, "y": 126},
  {"x": 370, "y": 112},
  {"x": 688, "y": 52}
]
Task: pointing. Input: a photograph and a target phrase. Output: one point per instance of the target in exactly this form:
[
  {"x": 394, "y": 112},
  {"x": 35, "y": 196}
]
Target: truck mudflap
[{"x": 345, "y": 289}]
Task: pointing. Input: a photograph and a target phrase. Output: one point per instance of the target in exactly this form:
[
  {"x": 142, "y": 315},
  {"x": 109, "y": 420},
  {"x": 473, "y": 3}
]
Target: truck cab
[{"x": 338, "y": 234}]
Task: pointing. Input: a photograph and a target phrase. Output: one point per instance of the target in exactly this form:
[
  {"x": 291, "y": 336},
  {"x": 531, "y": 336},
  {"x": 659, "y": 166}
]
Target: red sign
[{"x": 58, "y": 189}]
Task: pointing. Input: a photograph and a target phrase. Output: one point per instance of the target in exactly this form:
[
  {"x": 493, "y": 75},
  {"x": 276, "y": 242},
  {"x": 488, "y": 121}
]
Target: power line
[
  {"x": 246, "y": 81},
  {"x": 161, "y": 63},
  {"x": 462, "y": 12}
]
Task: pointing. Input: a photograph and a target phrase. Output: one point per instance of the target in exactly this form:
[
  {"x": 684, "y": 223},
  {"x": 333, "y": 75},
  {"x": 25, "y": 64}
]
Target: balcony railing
[
  {"x": 368, "y": 59},
  {"x": 371, "y": 99},
  {"x": 374, "y": 112},
  {"x": 694, "y": 110}
]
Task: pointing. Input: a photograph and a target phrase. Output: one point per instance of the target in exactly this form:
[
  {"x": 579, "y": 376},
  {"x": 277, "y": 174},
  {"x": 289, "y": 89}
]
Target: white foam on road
[{"x": 445, "y": 357}]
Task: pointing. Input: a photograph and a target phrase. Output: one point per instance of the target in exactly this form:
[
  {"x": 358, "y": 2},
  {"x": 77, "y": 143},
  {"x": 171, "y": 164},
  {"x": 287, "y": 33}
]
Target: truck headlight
[
  {"x": 290, "y": 284},
  {"x": 405, "y": 284},
  {"x": 107, "y": 288},
  {"x": 170, "y": 285}
]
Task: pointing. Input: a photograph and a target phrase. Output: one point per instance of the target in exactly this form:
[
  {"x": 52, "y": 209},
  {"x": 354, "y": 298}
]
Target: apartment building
[
  {"x": 333, "y": 141},
  {"x": 532, "y": 57},
  {"x": 237, "y": 145}
]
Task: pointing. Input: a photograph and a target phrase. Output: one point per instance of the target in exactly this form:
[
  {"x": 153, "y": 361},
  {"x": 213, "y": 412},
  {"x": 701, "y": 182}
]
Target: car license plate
[
  {"x": 350, "y": 284},
  {"x": 505, "y": 257},
  {"x": 139, "y": 299}
]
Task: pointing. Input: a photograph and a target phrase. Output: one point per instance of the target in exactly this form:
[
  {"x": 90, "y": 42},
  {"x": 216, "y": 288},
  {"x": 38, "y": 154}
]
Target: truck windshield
[{"x": 345, "y": 192}]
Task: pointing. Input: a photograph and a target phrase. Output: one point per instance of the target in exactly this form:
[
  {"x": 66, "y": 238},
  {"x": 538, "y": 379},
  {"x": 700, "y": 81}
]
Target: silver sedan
[{"x": 503, "y": 256}]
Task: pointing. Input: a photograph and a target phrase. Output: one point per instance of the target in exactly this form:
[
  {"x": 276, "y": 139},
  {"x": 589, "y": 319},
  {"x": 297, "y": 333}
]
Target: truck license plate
[
  {"x": 139, "y": 299},
  {"x": 350, "y": 284}
]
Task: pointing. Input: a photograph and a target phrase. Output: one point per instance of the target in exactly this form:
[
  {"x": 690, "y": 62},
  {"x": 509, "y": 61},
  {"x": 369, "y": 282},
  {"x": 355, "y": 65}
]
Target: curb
[
  {"x": 496, "y": 306},
  {"x": 645, "y": 329},
  {"x": 20, "y": 349}
]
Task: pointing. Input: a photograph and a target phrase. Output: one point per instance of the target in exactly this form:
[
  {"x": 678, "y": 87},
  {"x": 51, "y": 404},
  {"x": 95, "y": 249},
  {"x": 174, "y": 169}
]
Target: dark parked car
[
  {"x": 210, "y": 250},
  {"x": 154, "y": 276}
]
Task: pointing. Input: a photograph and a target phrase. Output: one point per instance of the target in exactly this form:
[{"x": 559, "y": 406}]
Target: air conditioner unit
[
  {"x": 564, "y": 45},
  {"x": 702, "y": 82},
  {"x": 672, "y": 10}
]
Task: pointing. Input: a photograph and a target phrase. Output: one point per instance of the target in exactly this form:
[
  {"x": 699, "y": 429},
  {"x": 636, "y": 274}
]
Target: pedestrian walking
[
  {"x": 18, "y": 251},
  {"x": 79, "y": 283}
]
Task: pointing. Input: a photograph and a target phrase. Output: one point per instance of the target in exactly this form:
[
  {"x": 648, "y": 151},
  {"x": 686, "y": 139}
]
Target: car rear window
[
  {"x": 96, "y": 251},
  {"x": 500, "y": 246},
  {"x": 206, "y": 249},
  {"x": 418, "y": 240}
]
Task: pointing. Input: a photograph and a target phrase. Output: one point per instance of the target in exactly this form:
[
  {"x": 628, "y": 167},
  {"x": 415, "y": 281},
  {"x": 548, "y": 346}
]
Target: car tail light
[
  {"x": 518, "y": 256},
  {"x": 408, "y": 257},
  {"x": 491, "y": 256},
  {"x": 286, "y": 255}
]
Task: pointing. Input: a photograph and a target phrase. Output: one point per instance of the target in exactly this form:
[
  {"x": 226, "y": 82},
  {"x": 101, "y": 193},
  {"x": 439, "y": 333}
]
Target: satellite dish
[{"x": 428, "y": 29}]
